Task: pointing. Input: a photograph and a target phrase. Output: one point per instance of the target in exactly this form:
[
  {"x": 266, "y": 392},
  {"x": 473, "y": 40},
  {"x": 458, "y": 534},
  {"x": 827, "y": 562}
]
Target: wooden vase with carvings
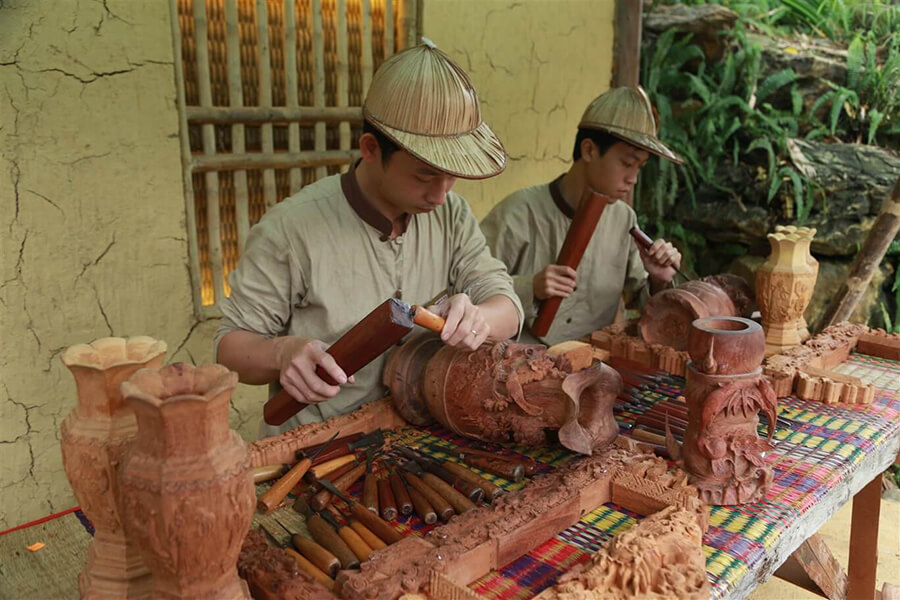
[
  {"x": 506, "y": 392},
  {"x": 725, "y": 391},
  {"x": 810, "y": 233},
  {"x": 784, "y": 287},
  {"x": 187, "y": 491},
  {"x": 93, "y": 439},
  {"x": 668, "y": 315}
]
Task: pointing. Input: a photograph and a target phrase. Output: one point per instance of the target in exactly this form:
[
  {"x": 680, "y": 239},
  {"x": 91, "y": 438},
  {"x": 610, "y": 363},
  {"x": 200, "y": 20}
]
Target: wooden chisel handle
[
  {"x": 423, "y": 507},
  {"x": 330, "y": 466},
  {"x": 473, "y": 492},
  {"x": 401, "y": 494},
  {"x": 375, "y": 524},
  {"x": 529, "y": 465},
  {"x": 375, "y": 542},
  {"x": 275, "y": 494},
  {"x": 443, "y": 508},
  {"x": 491, "y": 490},
  {"x": 269, "y": 472},
  {"x": 427, "y": 319},
  {"x": 310, "y": 569},
  {"x": 507, "y": 470},
  {"x": 386, "y": 500},
  {"x": 370, "y": 492},
  {"x": 317, "y": 555},
  {"x": 459, "y": 502},
  {"x": 325, "y": 535},
  {"x": 342, "y": 483},
  {"x": 314, "y": 486},
  {"x": 359, "y": 547}
]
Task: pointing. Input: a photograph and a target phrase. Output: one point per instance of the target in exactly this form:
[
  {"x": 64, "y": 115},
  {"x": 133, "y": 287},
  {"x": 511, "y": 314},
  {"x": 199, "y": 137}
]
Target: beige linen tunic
[
  {"x": 321, "y": 260},
  {"x": 526, "y": 231}
]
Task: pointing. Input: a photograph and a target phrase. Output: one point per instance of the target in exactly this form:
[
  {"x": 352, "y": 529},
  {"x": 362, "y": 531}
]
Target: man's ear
[
  {"x": 587, "y": 150},
  {"x": 369, "y": 148}
]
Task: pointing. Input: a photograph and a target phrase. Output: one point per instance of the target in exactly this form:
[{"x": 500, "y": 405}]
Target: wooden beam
[
  {"x": 813, "y": 567},
  {"x": 265, "y": 96},
  {"x": 318, "y": 39},
  {"x": 627, "y": 45},
  {"x": 257, "y": 115},
  {"x": 281, "y": 160},
  {"x": 290, "y": 68},
  {"x": 863, "y": 563},
  {"x": 235, "y": 101},
  {"x": 883, "y": 232}
]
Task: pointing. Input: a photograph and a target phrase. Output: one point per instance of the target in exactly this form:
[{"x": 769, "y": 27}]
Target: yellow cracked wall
[{"x": 91, "y": 208}]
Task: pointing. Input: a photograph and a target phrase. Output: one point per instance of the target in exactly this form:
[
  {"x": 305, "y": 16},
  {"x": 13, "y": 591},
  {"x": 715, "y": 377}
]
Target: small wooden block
[
  {"x": 882, "y": 346},
  {"x": 833, "y": 375},
  {"x": 475, "y": 564},
  {"x": 534, "y": 533},
  {"x": 572, "y": 356}
]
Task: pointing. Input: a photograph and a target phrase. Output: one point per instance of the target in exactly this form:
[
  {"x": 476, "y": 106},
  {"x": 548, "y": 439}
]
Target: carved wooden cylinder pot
[
  {"x": 668, "y": 315},
  {"x": 187, "y": 492},
  {"x": 784, "y": 287},
  {"x": 725, "y": 392},
  {"x": 93, "y": 439}
]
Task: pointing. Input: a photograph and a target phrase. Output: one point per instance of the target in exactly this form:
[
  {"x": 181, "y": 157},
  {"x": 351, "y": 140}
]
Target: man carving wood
[
  {"x": 391, "y": 227},
  {"x": 616, "y": 136}
]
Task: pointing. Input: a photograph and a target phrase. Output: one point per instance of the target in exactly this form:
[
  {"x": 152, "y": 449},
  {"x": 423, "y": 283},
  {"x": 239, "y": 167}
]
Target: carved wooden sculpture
[
  {"x": 508, "y": 392},
  {"x": 669, "y": 313},
  {"x": 614, "y": 340},
  {"x": 94, "y": 438},
  {"x": 810, "y": 233},
  {"x": 659, "y": 557},
  {"x": 725, "y": 392},
  {"x": 784, "y": 287},
  {"x": 187, "y": 492}
]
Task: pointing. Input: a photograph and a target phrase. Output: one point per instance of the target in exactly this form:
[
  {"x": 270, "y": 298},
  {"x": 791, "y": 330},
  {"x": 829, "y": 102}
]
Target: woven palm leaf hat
[
  {"x": 426, "y": 104},
  {"x": 627, "y": 114}
]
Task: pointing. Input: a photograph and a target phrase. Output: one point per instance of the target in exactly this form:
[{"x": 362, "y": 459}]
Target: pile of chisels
[{"x": 397, "y": 481}]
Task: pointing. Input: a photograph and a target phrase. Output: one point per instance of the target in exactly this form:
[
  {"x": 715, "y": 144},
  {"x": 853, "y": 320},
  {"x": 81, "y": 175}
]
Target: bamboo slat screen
[{"x": 269, "y": 95}]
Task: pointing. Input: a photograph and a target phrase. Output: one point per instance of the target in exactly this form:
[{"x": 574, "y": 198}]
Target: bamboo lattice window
[{"x": 258, "y": 122}]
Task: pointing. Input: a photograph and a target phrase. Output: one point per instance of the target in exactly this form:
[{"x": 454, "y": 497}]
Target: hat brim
[
  {"x": 641, "y": 140},
  {"x": 477, "y": 154}
]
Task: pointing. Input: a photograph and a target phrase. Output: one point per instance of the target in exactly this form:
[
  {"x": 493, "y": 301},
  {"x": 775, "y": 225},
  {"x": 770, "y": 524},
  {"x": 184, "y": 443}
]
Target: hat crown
[
  {"x": 621, "y": 108},
  {"x": 422, "y": 91}
]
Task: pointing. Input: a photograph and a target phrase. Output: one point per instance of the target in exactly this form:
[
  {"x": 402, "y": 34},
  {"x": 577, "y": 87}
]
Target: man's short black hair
[
  {"x": 387, "y": 145},
  {"x": 601, "y": 139}
]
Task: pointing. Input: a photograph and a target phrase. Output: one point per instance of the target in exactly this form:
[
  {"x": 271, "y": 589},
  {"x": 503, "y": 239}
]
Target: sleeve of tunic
[
  {"x": 473, "y": 269},
  {"x": 261, "y": 285}
]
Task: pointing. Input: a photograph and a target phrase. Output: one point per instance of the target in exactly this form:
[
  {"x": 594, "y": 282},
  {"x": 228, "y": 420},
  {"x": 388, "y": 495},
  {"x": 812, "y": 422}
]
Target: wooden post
[
  {"x": 366, "y": 45},
  {"x": 190, "y": 215},
  {"x": 290, "y": 67},
  {"x": 388, "y": 29},
  {"x": 236, "y": 100},
  {"x": 883, "y": 232},
  {"x": 406, "y": 24},
  {"x": 265, "y": 96},
  {"x": 319, "y": 83},
  {"x": 209, "y": 149},
  {"x": 627, "y": 45},
  {"x": 343, "y": 78},
  {"x": 864, "y": 540}
]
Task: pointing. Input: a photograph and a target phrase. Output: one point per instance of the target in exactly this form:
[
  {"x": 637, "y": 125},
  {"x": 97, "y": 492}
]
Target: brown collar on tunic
[
  {"x": 556, "y": 193},
  {"x": 366, "y": 211}
]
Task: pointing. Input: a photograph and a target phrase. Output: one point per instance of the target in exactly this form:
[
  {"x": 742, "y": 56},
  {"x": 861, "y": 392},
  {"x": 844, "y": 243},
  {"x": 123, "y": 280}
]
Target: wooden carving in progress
[{"x": 507, "y": 392}]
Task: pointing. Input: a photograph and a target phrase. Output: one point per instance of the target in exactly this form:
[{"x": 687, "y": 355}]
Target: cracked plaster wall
[
  {"x": 92, "y": 229},
  {"x": 91, "y": 207},
  {"x": 536, "y": 65}
]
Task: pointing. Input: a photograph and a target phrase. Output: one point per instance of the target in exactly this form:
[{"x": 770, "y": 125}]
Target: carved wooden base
[
  {"x": 114, "y": 569},
  {"x": 618, "y": 343}
]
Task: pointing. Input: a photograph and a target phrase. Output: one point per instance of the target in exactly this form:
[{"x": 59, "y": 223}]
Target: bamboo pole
[
  {"x": 186, "y": 172},
  {"x": 388, "y": 29},
  {"x": 319, "y": 83},
  {"x": 406, "y": 24},
  {"x": 281, "y": 160},
  {"x": 343, "y": 87},
  {"x": 249, "y": 115},
  {"x": 883, "y": 232},
  {"x": 366, "y": 46},
  {"x": 236, "y": 100},
  {"x": 290, "y": 67},
  {"x": 209, "y": 149},
  {"x": 265, "y": 96}
]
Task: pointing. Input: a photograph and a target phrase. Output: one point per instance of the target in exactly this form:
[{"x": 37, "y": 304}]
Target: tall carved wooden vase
[
  {"x": 810, "y": 233},
  {"x": 93, "y": 439},
  {"x": 725, "y": 392},
  {"x": 784, "y": 287},
  {"x": 187, "y": 491}
]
